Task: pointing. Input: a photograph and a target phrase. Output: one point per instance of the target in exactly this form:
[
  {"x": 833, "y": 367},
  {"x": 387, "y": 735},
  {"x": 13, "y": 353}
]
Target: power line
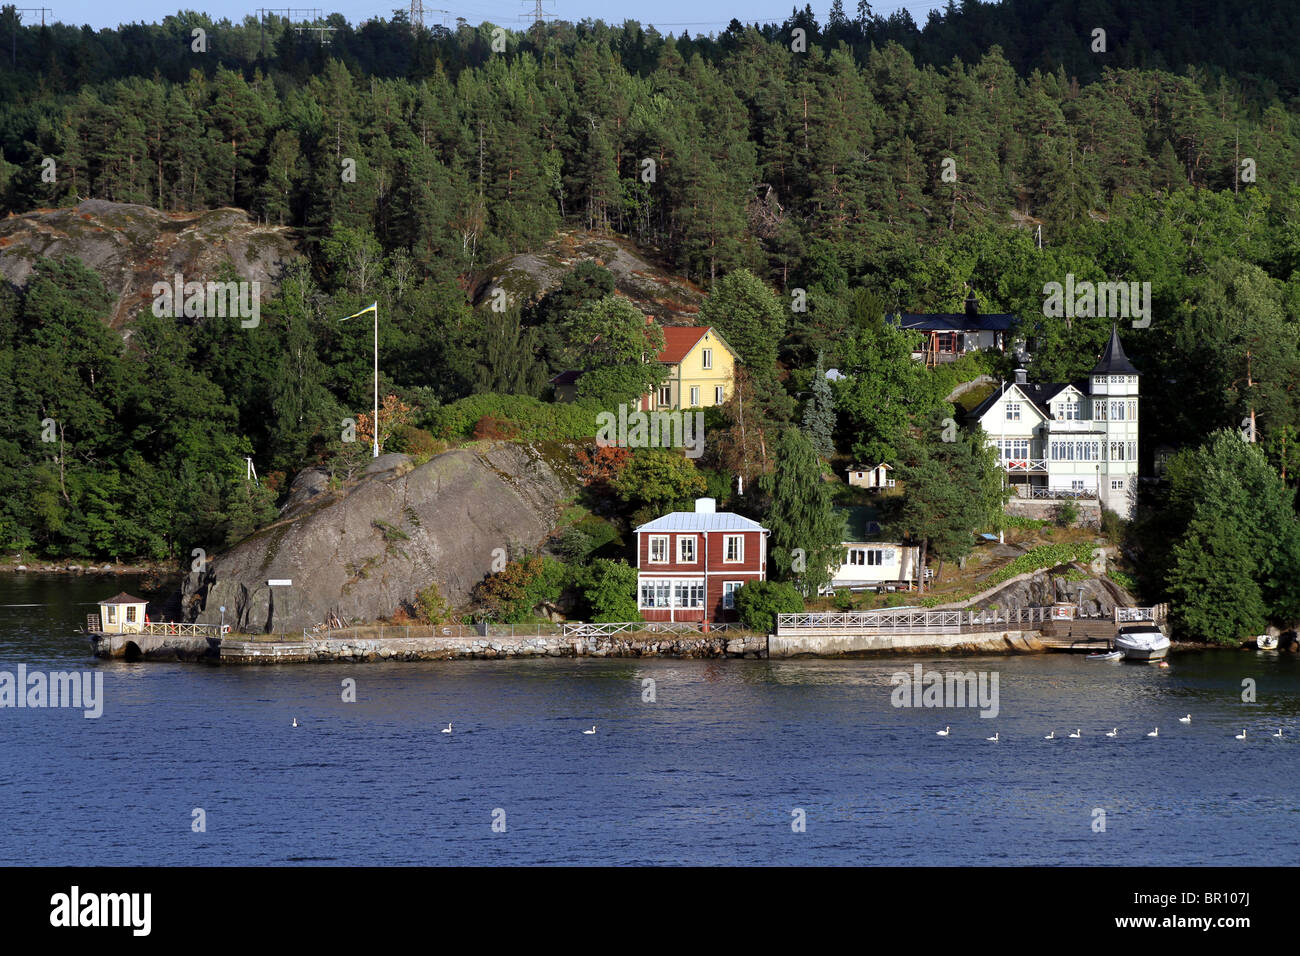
[
  {"x": 13, "y": 40},
  {"x": 289, "y": 14}
]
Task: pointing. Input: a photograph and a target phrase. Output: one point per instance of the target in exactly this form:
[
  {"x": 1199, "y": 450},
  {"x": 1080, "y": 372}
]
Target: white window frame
[
  {"x": 112, "y": 614},
  {"x": 660, "y": 593},
  {"x": 719, "y": 394},
  {"x": 695, "y": 396},
  {"x": 1013, "y": 411},
  {"x": 685, "y": 596},
  {"x": 740, "y": 549},
  {"x": 650, "y": 550},
  {"x": 665, "y": 394},
  {"x": 682, "y": 541},
  {"x": 729, "y": 589},
  {"x": 706, "y": 357},
  {"x": 1117, "y": 484}
]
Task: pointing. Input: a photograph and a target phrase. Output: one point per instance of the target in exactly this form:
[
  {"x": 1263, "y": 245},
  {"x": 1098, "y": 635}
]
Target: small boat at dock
[
  {"x": 1142, "y": 642},
  {"x": 1115, "y": 655},
  {"x": 1266, "y": 642}
]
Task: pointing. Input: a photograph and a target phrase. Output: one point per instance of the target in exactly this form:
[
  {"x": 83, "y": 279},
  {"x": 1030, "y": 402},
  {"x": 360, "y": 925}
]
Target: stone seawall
[
  {"x": 233, "y": 650},
  {"x": 851, "y": 645},
  {"x": 236, "y": 650}
]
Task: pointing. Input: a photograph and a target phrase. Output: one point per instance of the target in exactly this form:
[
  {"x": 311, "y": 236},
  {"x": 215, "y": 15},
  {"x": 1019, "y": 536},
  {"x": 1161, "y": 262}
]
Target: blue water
[{"x": 709, "y": 773}]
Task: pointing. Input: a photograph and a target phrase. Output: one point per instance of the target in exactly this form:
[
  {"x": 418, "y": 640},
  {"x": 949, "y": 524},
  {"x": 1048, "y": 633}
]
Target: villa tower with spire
[{"x": 1069, "y": 440}]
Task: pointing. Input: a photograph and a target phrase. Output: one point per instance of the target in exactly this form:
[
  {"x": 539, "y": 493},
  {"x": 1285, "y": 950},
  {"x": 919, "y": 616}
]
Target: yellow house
[
  {"x": 701, "y": 371},
  {"x": 122, "y": 614}
]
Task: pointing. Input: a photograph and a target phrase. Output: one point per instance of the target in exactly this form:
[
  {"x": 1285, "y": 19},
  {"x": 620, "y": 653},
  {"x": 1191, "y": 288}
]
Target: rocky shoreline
[{"x": 74, "y": 567}]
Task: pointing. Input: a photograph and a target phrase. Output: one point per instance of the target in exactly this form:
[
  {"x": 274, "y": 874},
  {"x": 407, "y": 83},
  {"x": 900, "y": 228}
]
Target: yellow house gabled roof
[{"x": 681, "y": 340}]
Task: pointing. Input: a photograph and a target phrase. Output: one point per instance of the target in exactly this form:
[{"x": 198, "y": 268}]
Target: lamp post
[
  {"x": 223, "y": 621},
  {"x": 372, "y": 307}
]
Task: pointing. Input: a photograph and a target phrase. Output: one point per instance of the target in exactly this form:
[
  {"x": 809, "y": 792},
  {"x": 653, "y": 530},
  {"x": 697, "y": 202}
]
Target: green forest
[{"x": 767, "y": 165}]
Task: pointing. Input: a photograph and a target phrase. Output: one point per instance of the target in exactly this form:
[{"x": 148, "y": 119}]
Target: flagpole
[
  {"x": 376, "y": 418},
  {"x": 373, "y": 307}
]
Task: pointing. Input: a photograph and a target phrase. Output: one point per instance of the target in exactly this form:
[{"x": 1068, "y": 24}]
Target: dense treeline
[
  {"x": 762, "y": 157},
  {"x": 759, "y": 171}
]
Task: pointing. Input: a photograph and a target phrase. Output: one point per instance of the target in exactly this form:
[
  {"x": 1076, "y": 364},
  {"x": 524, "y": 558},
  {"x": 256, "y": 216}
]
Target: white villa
[{"x": 1074, "y": 440}]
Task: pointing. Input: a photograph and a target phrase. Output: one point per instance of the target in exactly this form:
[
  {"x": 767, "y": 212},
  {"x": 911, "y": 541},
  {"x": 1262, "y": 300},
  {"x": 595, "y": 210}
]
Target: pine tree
[
  {"x": 819, "y": 413},
  {"x": 806, "y": 533}
]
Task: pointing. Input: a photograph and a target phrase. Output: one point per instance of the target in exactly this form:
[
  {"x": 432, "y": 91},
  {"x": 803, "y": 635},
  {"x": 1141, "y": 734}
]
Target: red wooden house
[{"x": 689, "y": 564}]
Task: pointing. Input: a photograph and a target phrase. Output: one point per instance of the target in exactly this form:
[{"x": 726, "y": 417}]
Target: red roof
[{"x": 679, "y": 340}]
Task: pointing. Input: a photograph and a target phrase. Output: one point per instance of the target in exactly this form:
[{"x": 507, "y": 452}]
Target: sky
[{"x": 669, "y": 16}]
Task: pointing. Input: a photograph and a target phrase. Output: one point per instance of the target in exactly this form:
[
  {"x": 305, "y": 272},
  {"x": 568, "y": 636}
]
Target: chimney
[
  {"x": 705, "y": 506},
  {"x": 1020, "y": 376}
]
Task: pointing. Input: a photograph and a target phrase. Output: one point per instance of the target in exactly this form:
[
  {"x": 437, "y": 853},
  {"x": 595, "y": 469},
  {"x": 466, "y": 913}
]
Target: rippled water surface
[{"x": 709, "y": 773}]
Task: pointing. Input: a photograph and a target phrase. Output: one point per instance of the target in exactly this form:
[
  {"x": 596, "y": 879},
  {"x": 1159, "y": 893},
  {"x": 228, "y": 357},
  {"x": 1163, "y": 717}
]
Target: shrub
[
  {"x": 1112, "y": 526},
  {"x": 609, "y": 588},
  {"x": 843, "y": 599},
  {"x": 536, "y": 420},
  {"x": 430, "y": 605},
  {"x": 415, "y": 442},
  {"x": 493, "y": 428},
  {"x": 759, "y": 602},
  {"x": 1066, "y": 513},
  {"x": 1044, "y": 556},
  {"x": 1123, "y": 580},
  {"x": 603, "y": 465},
  {"x": 509, "y": 595}
]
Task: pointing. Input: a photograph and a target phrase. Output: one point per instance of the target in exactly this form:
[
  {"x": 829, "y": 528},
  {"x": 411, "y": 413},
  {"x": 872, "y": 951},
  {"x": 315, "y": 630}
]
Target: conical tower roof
[{"x": 1113, "y": 361}]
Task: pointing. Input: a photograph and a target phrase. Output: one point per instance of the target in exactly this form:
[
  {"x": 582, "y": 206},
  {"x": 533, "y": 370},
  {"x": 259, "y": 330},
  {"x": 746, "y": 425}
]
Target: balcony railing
[
  {"x": 1052, "y": 494},
  {"x": 1025, "y": 466}
]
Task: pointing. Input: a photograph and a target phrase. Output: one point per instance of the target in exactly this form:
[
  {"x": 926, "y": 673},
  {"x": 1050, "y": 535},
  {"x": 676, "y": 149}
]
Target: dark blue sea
[{"x": 714, "y": 770}]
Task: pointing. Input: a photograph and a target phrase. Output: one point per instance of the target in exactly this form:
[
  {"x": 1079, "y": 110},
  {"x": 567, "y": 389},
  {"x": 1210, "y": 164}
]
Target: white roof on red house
[{"x": 695, "y": 521}]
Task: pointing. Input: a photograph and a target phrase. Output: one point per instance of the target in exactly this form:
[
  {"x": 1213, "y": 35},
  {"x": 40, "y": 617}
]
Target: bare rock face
[
  {"x": 652, "y": 288},
  {"x": 132, "y": 246},
  {"x": 361, "y": 552}
]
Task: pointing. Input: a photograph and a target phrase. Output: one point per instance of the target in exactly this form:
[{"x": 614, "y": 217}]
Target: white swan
[
  {"x": 944, "y": 732},
  {"x": 1154, "y": 733},
  {"x": 1240, "y": 736},
  {"x": 1077, "y": 733},
  {"x": 1278, "y": 735},
  {"x": 1113, "y": 732},
  {"x": 592, "y": 731},
  {"x": 1051, "y": 736},
  {"x": 295, "y": 721},
  {"x": 1185, "y": 720},
  {"x": 447, "y": 729},
  {"x": 994, "y": 738}
]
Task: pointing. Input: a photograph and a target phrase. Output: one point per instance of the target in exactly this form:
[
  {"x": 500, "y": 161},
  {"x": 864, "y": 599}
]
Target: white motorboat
[
  {"x": 1142, "y": 642},
  {"x": 1266, "y": 642},
  {"x": 1105, "y": 656}
]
